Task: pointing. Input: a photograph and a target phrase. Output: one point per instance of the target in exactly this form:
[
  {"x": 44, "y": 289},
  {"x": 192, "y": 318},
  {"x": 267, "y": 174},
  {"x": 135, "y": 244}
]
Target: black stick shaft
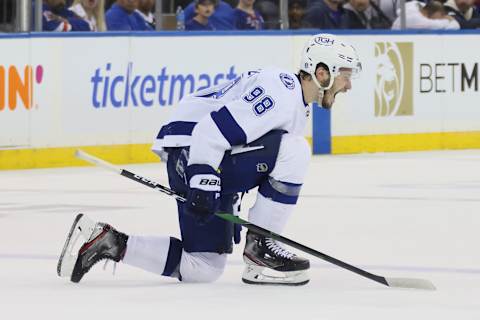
[
  {"x": 308, "y": 250},
  {"x": 152, "y": 184},
  {"x": 260, "y": 230}
]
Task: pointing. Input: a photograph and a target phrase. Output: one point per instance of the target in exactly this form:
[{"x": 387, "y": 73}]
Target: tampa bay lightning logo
[
  {"x": 262, "y": 167},
  {"x": 287, "y": 80}
]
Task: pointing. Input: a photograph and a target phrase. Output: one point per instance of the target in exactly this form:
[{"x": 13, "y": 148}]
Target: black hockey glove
[{"x": 203, "y": 198}]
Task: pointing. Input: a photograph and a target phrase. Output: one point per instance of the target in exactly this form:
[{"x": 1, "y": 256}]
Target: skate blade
[
  {"x": 264, "y": 276},
  {"x": 292, "y": 284},
  {"x": 82, "y": 226}
]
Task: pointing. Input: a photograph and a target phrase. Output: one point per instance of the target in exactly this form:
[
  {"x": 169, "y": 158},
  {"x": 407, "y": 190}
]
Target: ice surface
[{"x": 414, "y": 215}]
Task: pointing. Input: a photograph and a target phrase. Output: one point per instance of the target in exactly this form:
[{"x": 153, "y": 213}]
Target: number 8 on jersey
[{"x": 261, "y": 103}]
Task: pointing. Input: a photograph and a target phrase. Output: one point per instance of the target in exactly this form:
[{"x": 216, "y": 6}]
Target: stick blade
[
  {"x": 96, "y": 161},
  {"x": 410, "y": 283}
]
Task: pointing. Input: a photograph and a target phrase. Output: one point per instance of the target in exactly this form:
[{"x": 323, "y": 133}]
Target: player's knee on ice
[
  {"x": 165, "y": 256},
  {"x": 202, "y": 266}
]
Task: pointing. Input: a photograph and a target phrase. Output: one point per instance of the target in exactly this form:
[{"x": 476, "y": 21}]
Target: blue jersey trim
[
  {"x": 227, "y": 125},
  {"x": 174, "y": 256},
  {"x": 229, "y": 33},
  {"x": 177, "y": 128},
  {"x": 268, "y": 191},
  {"x": 208, "y": 95}
]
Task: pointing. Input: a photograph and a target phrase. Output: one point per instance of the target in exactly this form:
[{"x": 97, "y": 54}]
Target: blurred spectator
[
  {"x": 56, "y": 17},
  {"x": 389, "y": 8},
  {"x": 145, "y": 11},
  {"x": 426, "y": 16},
  {"x": 204, "y": 10},
  {"x": 245, "y": 17},
  {"x": 270, "y": 12},
  {"x": 221, "y": 19},
  {"x": 296, "y": 12},
  {"x": 326, "y": 14},
  {"x": 7, "y": 15},
  {"x": 122, "y": 17},
  {"x": 380, "y": 20},
  {"x": 108, "y": 4},
  {"x": 363, "y": 14},
  {"x": 92, "y": 11},
  {"x": 465, "y": 12}
]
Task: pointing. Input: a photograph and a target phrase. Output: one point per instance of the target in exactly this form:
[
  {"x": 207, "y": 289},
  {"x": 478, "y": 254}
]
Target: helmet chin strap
[{"x": 321, "y": 89}]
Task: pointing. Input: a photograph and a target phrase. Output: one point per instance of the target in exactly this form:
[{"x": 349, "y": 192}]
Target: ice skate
[
  {"x": 269, "y": 263},
  {"x": 98, "y": 241}
]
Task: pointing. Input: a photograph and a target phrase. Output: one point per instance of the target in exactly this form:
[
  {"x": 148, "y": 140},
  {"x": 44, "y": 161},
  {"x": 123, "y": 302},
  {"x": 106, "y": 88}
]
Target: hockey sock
[
  {"x": 172, "y": 265},
  {"x": 160, "y": 255}
]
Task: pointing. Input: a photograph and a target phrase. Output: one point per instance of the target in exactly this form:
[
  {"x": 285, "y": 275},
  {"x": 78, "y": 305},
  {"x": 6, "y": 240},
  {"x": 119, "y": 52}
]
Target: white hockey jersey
[{"x": 215, "y": 119}]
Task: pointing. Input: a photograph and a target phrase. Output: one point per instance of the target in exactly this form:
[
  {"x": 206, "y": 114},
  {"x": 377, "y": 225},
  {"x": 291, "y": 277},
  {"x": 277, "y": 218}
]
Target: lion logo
[{"x": 394, "y": 79}]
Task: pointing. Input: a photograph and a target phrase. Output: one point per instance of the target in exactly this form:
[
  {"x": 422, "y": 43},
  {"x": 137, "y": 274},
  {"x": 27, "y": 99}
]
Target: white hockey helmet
[{"x": 333, "y": 52}]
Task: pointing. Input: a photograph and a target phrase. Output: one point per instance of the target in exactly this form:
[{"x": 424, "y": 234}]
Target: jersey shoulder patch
[
  {"x": 287, "y": 80},
  {"x": 280, "y": 85}
]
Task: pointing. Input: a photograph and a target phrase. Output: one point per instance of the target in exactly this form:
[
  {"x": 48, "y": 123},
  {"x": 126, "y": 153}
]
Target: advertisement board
[
  {"x": 416, "y": 93},
  {"x": 111, "y": 94}
]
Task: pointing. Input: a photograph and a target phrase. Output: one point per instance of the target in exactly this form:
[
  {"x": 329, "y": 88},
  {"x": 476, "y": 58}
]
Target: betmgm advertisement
[
  {"x": 416, "y": 93},
  {"x": 394, "y": 79}
]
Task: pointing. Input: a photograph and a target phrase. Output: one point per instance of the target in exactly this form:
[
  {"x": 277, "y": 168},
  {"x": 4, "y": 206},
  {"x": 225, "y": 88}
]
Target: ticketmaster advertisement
[
  {"x": 416, "y": 92},
  {"x": 120, "y": 90}
]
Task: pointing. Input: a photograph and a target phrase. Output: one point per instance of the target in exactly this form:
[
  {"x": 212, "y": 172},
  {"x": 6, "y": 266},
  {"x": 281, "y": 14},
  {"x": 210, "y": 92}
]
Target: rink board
[
  {"x": 112, "y": 93},
  {"x": 416, "y": 92}
]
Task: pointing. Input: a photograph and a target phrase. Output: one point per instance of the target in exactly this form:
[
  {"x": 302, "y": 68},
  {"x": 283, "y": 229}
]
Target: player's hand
[{"x": 203, "y": 198}]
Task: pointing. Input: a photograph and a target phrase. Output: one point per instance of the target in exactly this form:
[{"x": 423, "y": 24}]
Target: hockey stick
[{"x": 411, "y": 283}]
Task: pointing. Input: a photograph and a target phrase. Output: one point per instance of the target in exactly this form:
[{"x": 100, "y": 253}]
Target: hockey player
[{"x": 222, "y": 141}]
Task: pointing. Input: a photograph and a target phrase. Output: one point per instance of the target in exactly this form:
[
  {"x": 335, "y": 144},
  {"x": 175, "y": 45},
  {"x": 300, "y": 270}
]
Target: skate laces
[
  {"x": 114, "y": 266},
  {"x": 278, "y": 249}
]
